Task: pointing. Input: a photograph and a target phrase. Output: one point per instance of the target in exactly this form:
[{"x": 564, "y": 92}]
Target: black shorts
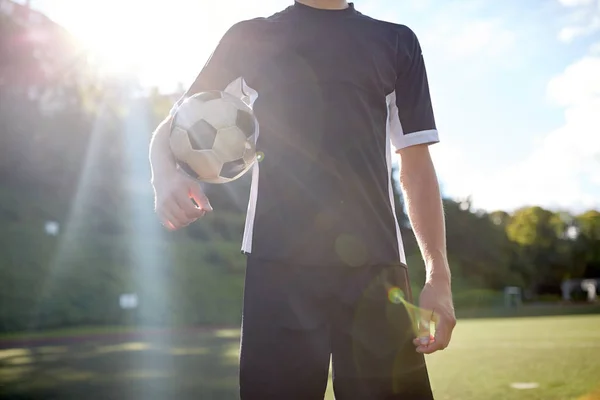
[{"x": 296, "y": 318}]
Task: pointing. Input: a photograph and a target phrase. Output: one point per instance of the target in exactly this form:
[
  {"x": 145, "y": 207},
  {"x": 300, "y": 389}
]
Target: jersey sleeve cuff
[{"x": 429, "y": 136}]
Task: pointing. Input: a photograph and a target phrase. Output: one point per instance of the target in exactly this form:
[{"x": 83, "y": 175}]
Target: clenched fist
[
  {"x": 437, "y": 306},
  {"x": 178, "y": 199}
]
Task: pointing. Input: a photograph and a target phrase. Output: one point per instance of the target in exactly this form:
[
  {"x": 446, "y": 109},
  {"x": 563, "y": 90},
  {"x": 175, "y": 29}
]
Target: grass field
[{"x": 559, "y": 356}]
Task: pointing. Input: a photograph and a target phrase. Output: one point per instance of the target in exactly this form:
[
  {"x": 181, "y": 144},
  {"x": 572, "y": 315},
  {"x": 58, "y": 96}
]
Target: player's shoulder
[
  {"x": 246, "y": 27},
  {"x": 382, "y": 27},
  {"x": 255, "y": 28}
]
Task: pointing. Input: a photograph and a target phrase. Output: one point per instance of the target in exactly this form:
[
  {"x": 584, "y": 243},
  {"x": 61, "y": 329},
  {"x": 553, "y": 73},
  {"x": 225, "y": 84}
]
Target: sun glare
[
  {"x": 160, "y": 42},
  {"x": 117, "y": 35}
]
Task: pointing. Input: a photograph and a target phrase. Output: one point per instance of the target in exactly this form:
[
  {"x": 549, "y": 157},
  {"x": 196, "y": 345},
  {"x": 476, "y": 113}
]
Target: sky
[{"x": 515, "y": 84}]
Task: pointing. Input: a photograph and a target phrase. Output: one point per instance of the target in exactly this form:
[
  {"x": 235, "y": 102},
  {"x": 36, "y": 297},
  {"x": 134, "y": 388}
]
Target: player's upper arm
[
  {"x": 411, "y": 112},
  {"x": 223, "y": 67}
]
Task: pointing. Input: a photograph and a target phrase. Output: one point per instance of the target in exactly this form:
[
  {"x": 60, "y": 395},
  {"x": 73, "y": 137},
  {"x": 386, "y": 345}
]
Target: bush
[
  {"x": 579, "y": 295},
  {"x": 478, "y": 298},
  {"x": 549, "y": 298}
]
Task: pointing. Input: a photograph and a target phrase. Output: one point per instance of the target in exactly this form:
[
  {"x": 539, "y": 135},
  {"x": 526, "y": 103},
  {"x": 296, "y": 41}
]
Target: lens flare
[
  {"x": 351, "y": 250},
  {"x": 396, "y": 295},
  {"x": 422, "y": 320}
]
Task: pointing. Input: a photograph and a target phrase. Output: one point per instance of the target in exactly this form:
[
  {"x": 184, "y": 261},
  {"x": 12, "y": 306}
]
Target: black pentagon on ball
[
  {"x": 208, "y": 96},
  {"x": 245, "y": 121},
  {"x": 202, "y": 135},
  {"x": 232, "y": 169},
  {"x": 187, "y": 169}
]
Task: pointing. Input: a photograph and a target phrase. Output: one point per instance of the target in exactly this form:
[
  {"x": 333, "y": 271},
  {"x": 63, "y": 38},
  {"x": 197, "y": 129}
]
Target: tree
[
  {"x": 586, "y": 253},
  {"x": 477, "y": 247},
  {"x": 543, "y": 253},
  {"x": 500, "y": 218}
]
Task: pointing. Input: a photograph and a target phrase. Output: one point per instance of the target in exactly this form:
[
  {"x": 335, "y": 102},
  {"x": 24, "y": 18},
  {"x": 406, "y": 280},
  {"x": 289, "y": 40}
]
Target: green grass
[
  {"x": 532, "y": 310},
  {"x": 560, "y": 354}
]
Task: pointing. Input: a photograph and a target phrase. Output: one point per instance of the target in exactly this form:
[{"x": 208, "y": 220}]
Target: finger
[
  {"x": 199, "y": 197},
  {"x": 425, "y": 326},
  {"x": 424, "y": 332},
  {"x": 165, "y": 219},
  {"x": 163, "y": 216},
  {"x": 417, "y": 341},
  {"x": 175, "y": 214},
  {"x": 189, "y": 209},
  {"x": 441, "y": 340},
  {"x": 443, "y": 333},
  {"x": 432, "y": 347},
  {"x": 169, "y": 225}
]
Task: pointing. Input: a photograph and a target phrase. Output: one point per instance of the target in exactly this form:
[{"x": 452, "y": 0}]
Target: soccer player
[{"x": 333, "y": 91}]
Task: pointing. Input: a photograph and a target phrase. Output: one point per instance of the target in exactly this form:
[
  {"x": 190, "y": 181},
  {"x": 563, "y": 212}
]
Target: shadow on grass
[{"x": 191, "y": 366}]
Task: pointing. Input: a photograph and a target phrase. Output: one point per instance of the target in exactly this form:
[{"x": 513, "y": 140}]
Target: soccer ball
[{"x": 213, "y": 137}]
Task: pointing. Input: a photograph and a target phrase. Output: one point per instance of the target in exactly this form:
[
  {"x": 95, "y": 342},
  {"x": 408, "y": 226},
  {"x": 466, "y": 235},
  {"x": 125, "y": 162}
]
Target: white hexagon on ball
[
  {"x": 249, "y": 153},
  {"x": 220, "y": 114}
]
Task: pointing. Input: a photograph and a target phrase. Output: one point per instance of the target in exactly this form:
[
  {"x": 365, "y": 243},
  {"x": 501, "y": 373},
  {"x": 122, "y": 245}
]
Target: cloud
[
  {"x": 481, "y": 38},
  {"x": 584, "y": 19},
  {"x": 457, "y": 176},
  {"x": 564, "y": 169},
  {"x": 579, "y": 83},
  {"x": 570, "y": 33},
  {"x": 576, "y": 3}
]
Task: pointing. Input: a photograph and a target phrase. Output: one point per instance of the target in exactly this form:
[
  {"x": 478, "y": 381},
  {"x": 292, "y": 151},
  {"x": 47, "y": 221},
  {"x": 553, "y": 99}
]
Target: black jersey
[{"x": 333, "y": 91}]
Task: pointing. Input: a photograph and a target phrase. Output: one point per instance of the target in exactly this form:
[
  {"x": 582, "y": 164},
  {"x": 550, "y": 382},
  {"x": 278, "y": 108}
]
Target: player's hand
[
  {"x": 436, "y": 305},
  {"x": 173, "y": 195}
]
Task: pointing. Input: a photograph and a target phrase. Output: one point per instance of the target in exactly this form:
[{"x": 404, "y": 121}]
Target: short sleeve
[
  {"x": 222, "y": 69},
  {"x": 412, "y": 120}
]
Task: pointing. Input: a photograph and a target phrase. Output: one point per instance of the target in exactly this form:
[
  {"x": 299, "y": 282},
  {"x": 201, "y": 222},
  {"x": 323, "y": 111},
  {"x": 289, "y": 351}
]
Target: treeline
[
  {"x": 532, "y": 248},
  {"x": 73, "y": 152}
]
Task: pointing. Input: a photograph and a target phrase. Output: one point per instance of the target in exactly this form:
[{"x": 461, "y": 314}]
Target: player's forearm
[
  {"x": 425, "y": 210},
  {"x": 161, "y": 159}
]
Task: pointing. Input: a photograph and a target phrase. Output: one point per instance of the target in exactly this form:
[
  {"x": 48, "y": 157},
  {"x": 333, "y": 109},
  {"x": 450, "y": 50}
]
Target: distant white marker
[
  {"x": 128, "y": 301},
  {"x": 52, "y": 228},
  {"x": 524, "y": 385}
]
